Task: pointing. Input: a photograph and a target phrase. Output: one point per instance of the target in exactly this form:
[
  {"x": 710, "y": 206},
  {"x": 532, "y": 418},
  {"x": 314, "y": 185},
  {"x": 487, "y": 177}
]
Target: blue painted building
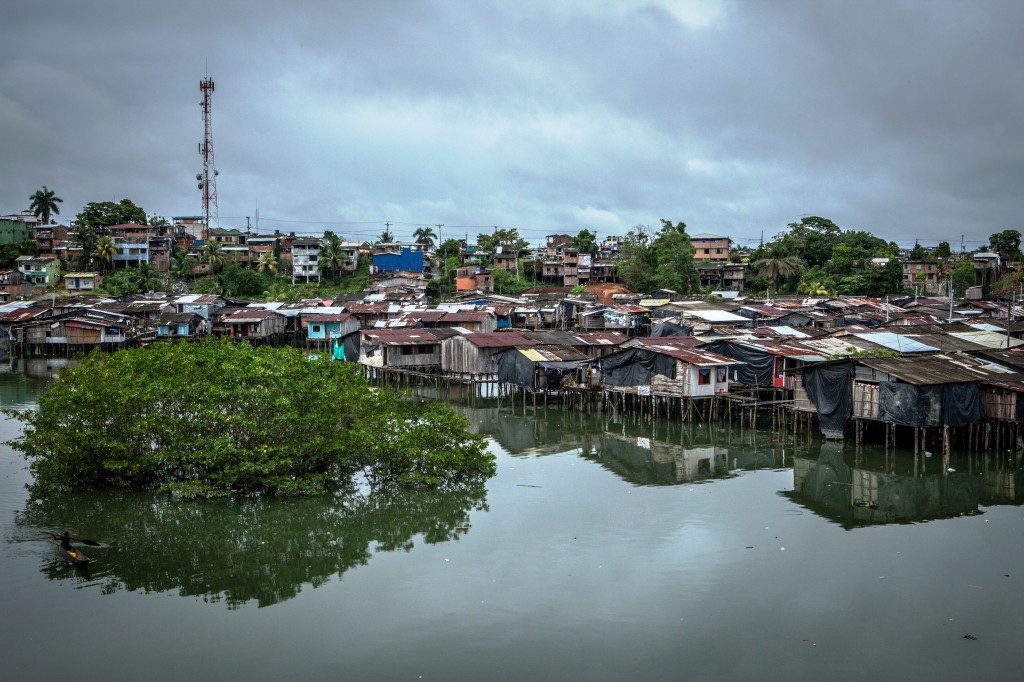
[{"x": 393, "y": 261}]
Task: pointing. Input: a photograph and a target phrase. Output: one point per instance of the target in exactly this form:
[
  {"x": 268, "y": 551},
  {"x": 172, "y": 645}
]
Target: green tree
[
  {"x": 585, "y": 241},
  {"x": 43, "y": 203},
  {"x": 147, "y": 278},
  {"x": 775, "y": 269},
  {"x": 673, "y": 253},
  {"x": 918, "y": 252},
  {"x": 242, "y": 282},
  {"x": 506, "y": 238},
  {"x": 425, "y": 236},
  {"x": 451, "y": 248},
  {"x": 331, "y": 256},
  {"x": 812, "y": 240},
  {"x": 213, "y": 254},
  {"x": 218, "y": 417},
  {"x": 181, "y": 264},
  {"x": 638, "y": 263},
  {"x": 105, "y": 251},
  {"x": 103, "y": 214},
  {"x": 963, "y": 277},
  {"x": 157, "y": 221},
  {"x": 1006, "y": 244},
  {"x": 279, "y": 290},
  {"x": 842, "y": 262},
  {"x": 267, "y": 263},
  {"x": 942, "y": 251},
  {"x": 386, "y": 237}
]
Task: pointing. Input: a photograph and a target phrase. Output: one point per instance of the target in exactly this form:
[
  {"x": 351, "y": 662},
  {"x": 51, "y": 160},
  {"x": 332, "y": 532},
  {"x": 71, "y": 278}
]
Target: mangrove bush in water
[{"x": 217, "y": 417}]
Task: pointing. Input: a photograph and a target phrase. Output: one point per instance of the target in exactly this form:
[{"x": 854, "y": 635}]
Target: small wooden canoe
[{"x": 74, "y": 555}]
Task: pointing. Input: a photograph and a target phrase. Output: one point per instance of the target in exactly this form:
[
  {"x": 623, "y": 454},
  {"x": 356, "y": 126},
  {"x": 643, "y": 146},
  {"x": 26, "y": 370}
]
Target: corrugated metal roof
[
  {"x": 553, "y": 354},
  {"x": 398, "y": 337},
  {"x": 684, "y": 351},
  {"x": 929, "y": 370},
  {"x": 716, "y": 316},
  {"x": 989, "y": 339},
  {"x": 499, "y": 340},
  {"x": 328, "y": 317},
  {"x": 781, "y": 349},
  {"x": 897, "y": 342}
]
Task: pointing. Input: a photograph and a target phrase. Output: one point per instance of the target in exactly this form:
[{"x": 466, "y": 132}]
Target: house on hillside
[{"x": 82, "y": 281}]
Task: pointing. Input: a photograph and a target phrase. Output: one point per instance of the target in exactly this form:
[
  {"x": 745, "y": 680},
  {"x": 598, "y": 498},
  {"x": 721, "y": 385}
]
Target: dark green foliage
[
  {"x": 101, "y": 214},
  {"x": 217, "y": 417},
  {"x": 664, "y": 261},
  {"x": 1006, "y": 244},
  {"x": 942, "y": 251},
  {"x": 585, "y": 242},
  {"x": 9, "y": 252}
]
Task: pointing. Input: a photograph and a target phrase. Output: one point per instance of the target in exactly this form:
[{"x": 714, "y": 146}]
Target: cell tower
[{"x": 208, "y": 178}]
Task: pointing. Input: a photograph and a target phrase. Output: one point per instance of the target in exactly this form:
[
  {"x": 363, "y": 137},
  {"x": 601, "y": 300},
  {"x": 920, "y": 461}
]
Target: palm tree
[
  {"x": 267, "y": 263},
  {"x": 777, "y": 268},
  {"x": 180, "y": 263},
  {"x": 279, "y": 290},
  {"x": 105, "y": 250},
  {"x": 44, "y": 202},
  {"x": 331, "y": 255},
  {"x": 425, "y": 236},
  {"x": 386, "y": 236},
  {"x": 147, "y": 279},
  {"x": 213, "y": 254}
]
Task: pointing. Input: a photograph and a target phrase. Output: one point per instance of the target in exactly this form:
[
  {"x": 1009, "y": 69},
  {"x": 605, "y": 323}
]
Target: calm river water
[{"x": 604, "y": 549}]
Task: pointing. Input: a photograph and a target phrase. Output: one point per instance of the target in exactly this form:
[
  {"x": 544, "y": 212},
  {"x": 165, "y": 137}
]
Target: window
[
  {"x": 707, "y": 250},
  {"x": 316, "y": 329},
  {"x": 703, "y": 377}
]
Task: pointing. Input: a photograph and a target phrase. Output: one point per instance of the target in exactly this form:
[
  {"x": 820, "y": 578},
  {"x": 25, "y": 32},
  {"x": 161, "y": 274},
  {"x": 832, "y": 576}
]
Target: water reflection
[
  {"x": 239, "y": 551},
  {"x": 640, "y": 451},
  {"x": 872, "y": 488}
]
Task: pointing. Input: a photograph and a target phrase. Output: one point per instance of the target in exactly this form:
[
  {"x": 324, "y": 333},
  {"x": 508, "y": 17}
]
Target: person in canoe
[{"x": 69, "y": 551}]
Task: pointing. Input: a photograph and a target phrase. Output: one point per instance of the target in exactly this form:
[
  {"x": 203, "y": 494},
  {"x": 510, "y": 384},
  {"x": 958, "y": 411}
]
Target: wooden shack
[
  {"x": 406, "y": 350},
  {"x": 475, "y": 357}
]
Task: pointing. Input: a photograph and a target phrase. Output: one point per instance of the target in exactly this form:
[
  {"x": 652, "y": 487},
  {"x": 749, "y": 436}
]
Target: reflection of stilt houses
[{"x": 856, "y": 494}]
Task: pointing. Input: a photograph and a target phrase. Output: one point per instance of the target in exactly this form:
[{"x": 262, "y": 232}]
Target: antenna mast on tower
[{"x": 208, "y": 178}]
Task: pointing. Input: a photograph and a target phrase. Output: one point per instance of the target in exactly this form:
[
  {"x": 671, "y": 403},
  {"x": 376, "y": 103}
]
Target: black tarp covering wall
[
  {"x": 759, "y": 369},
  {"x": 516, "y": 368},
  {"x": 671, "y": 329},
  {"x": 828, "y": 388},
  {"x": 635, "y": 366},
  {"x": 935, "y": 405}
]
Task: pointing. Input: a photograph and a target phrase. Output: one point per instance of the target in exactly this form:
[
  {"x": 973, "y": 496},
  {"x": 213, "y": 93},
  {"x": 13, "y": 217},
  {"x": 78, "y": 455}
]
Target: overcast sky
[{"x": 550, "y": 116}]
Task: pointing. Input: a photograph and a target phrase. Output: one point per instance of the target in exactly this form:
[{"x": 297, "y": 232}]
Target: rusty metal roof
[
  {"x": 683, "y": 350},
  {"x": 246, "y": 315},
  {"x": 398, "y": 337},
  {"x": 499, "y": 339},
  {"x": 925, "y": 370},
  {"x": 327, "y": 317}
]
